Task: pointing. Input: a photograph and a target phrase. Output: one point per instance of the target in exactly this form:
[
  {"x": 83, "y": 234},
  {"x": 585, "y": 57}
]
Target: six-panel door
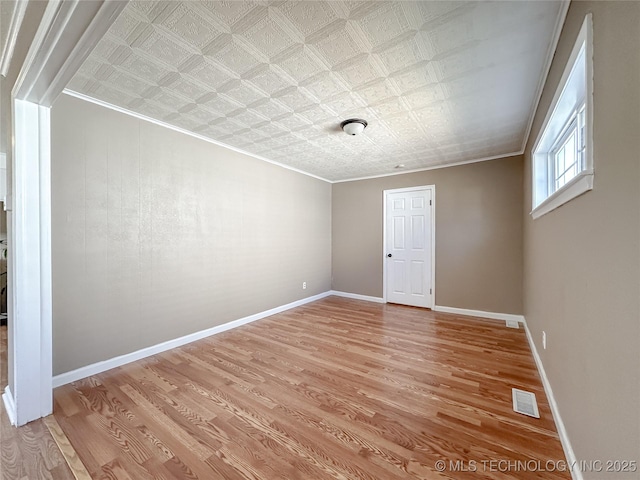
[{"x": 408, "y": 245}]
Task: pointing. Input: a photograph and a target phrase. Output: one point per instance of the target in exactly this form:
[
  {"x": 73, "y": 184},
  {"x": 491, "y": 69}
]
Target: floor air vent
[
  {"x": 525, "y": 403},
  {"x": 513, "y": 324}
]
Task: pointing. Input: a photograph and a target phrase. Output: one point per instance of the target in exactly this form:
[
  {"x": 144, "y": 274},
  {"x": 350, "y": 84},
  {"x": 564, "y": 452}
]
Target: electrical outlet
[
  {"x": 544, "y": 340},
  {"x": 304, "y": 285}
]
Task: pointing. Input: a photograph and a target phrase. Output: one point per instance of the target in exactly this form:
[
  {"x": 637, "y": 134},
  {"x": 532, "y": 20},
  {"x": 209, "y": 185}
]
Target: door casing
[
  {"x": 432, "y": 227},
  {"x": 66, "y": 34}
]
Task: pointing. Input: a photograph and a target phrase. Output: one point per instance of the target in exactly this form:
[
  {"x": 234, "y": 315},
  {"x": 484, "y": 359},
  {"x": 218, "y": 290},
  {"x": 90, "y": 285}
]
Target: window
[
  {"x": 567, "y": 155},
  {"x": 563, "y": 153}
]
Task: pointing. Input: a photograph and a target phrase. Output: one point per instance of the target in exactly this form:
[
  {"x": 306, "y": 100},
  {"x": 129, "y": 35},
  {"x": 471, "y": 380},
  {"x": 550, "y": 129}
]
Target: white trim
[
  {"x": 9, "y": 405},
  {"x": 434, "y": 167},
  {"x": 581, "y": 183},
  {"x": 46, "y": 259},
  {"x": 562, "y": 15},
  {"x": 357, "y": 296},
  {"x": 480, "y": 313},
  {"x": 100, "y": 22},
  {"x": 99, "y": 367},
  {"x": 385, "y": 193},
  {"x": 31, "y": 267},
  {"x": 17, "y": 15},
  {"x": 409, "y": 189},
  {"x": 67, "y": 34},
  {"x": 185, "y": 132},
  {"x": 37, "y": 54},
  {"x": 140, "y": 116},
  {"x": 585, "y": 35},
  {"x": 3, "y": 179},
  {"x": 550, "y": 54},
  {"x": 576, "y": 473}
]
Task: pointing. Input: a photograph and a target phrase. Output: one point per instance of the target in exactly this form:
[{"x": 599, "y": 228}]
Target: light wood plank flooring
[
  {"x": 334, "y": 389},
  {"x": 27, "y": 452}
]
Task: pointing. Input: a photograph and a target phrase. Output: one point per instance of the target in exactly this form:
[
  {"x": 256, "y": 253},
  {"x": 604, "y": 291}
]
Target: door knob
[{"x": 389, "y": 255}]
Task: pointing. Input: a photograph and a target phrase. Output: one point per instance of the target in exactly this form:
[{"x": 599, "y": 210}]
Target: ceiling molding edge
[
  {"x": 562, "y": 15},
  {"x": 139, "y": 116},
  {"x": 434, "y": 167},
  {"x": 17, "y": 15}
]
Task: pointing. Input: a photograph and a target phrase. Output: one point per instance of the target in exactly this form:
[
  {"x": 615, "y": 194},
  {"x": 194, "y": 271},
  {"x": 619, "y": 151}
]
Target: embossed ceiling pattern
[{"x": 439, "y": 82}]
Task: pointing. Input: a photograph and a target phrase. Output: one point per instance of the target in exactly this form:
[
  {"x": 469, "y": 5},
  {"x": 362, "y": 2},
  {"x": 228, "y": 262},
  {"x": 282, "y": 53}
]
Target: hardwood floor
[
  {"x": 28, "y": 452},
  {"x": 334, "y": 389}
]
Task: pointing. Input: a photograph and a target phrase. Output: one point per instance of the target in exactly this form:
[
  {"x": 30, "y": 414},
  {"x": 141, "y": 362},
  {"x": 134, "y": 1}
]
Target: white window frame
[
  {"x": 574, "y": 124},
  {"x": 545, "y": 197}
]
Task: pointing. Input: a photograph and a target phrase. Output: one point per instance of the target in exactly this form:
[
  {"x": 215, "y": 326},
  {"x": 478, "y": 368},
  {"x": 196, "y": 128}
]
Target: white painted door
[{"x": 409, "y": 247}]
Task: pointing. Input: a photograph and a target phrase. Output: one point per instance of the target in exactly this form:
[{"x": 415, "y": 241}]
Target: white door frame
[
  {"x": 386, "y": 193},
  {"x": 30, "y": 267},
  {"x": 67, "y": 33}
]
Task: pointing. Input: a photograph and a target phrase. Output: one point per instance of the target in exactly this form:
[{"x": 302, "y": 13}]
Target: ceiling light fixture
[{"x": 353, "y": 126}]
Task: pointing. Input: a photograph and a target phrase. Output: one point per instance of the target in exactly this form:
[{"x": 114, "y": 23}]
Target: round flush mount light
[{"x": 353, "y": 126}]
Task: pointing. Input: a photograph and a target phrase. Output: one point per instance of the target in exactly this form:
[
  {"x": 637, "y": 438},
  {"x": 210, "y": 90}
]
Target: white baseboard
[
  {"x": 9, "y": 405},
  {"x": 480, "y": 313},
  {"x": 99, "y": 367},
  {"x": 576, "y": 473},
  {"x": 357, "y": 296},
  {"x": 437, "y": 308}
]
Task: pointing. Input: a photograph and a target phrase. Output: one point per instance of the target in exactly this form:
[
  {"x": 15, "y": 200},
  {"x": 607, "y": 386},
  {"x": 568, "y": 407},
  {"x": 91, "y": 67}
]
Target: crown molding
[
  {"x": 562, "y": 15},
  {"x": 434, "y": 167},
  {"x": 160, "y": 123}
]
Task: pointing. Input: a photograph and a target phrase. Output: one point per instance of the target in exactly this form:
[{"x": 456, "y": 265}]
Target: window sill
[{"x": 576, "y": 187}]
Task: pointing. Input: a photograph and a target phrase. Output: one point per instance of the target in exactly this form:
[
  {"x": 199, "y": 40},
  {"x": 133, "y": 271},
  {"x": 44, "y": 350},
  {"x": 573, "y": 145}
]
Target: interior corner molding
[
  {"x": 99, "y": 367},
  {"x": 9, "y": 405},
  {"x": 357, "y": 296},
  {"x": 480, "y": 313},
  {"x": 17, "y": 15},
  {"x": 576, "y": 473}
]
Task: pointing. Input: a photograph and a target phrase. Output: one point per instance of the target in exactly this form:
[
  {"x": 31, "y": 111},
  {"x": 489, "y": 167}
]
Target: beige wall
[
  {"x": 582, "y": 261},
  {"x": 157, "y": 234},
  {"x": 478, "y": 234}
]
